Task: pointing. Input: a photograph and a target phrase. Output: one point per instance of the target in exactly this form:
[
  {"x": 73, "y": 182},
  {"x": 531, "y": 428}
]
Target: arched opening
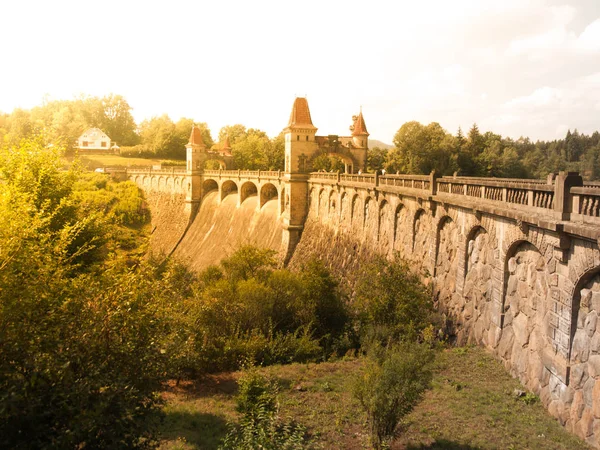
[
  {"x": 356, "y": 217},
  {"x": 228, "y": 187},
  {"x": 214, "y": 164},
  {"x": 529, "y": 326},
  {"x": 345, "y": 210},
  {"x": 422, "y": 235},
  {"x": 323, "y": 203},
  {"x": 209, "y": 186},
  {"x": 333, "y": 162},
  {"x": 371, "y": 219},
  {"x": 585, "y": 311},
  {"x": 385, "y": 226},
  {"x": 267, "y": 192},
  {"x": 478, "y": 286},
  {"x": 248, "y": 190},
  {"x": 333, "y": 207}
]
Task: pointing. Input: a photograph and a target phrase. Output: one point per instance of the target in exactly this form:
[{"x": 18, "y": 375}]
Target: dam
[{"x": 514, "y": 264}]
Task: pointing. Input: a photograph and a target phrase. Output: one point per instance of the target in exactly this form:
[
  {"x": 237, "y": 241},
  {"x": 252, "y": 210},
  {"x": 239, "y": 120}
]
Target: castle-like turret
[
  {"x": 300, "y": 142},
  {"x": 360, "y": 135},
  {"x": 194, "y": 149}
]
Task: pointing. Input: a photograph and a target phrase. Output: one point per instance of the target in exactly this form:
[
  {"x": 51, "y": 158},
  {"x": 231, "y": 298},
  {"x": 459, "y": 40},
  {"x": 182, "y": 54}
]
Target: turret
[
  {"x": 195, "y": 147},
  {"x": 360, "y": 135},
  {"x": 300, "y": 142}
]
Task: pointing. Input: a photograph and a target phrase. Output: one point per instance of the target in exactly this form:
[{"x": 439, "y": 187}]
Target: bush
[
  {"x": 392, "y": 384},
  {"x": 261, "y": 425},
  {"x": 391, "y": 302}
]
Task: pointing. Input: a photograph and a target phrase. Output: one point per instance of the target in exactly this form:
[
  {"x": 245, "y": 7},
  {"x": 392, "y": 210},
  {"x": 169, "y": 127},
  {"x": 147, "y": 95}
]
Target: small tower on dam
[{"x": 195, "y": 150}]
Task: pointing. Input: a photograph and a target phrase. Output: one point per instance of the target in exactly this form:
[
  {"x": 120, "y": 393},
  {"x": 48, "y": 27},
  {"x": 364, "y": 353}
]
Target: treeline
[
  {"x": 90, "y": 329},
  {"x": 419, "y": 149},
  {"x": 62, "y": 122}
]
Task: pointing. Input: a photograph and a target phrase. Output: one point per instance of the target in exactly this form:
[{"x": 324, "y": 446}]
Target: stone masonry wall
[{"x": 515, "y": 289}]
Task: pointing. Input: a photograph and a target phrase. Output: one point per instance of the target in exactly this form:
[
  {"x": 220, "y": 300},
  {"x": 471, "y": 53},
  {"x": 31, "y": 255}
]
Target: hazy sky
[{"x": 515, "y": 67}]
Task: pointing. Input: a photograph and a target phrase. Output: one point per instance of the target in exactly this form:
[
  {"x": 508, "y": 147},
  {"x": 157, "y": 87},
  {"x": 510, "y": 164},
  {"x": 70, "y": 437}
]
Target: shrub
[
  {"x": 261, "y": 425},
  {"x": 392, "y": 384},
  {"x": 391, "y": 302}
]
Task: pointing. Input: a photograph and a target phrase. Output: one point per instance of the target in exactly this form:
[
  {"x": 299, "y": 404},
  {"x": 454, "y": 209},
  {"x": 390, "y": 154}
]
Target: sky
[{"x": 514, "y": 67}]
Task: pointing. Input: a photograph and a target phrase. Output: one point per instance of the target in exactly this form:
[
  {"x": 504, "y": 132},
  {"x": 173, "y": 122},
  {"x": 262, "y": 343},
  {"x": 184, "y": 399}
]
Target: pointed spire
[
  {"x": 226, "y": 144},
  {"x": 196, "y": 137},
  {"x": 300, "y": 116},
  {"x": 226, "y": 148},
  {"x": 360, "y": 128}
]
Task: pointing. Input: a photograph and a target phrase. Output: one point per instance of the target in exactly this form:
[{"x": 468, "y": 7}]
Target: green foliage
[
  {"x": 391, "y": 302},
  {"x": 83, "y": 350},
  {"x": 376, "y": 158},
  {"x": 391, "y": 385},
  {"x": 261, "y": 425}
]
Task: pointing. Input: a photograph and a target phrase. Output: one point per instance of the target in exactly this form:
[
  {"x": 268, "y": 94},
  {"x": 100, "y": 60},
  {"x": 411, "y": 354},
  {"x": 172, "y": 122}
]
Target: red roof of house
[
  {"x": 300, "y": 115},
  {"x": 359, "y": 126},
  {"x": 196, "y": 137}
]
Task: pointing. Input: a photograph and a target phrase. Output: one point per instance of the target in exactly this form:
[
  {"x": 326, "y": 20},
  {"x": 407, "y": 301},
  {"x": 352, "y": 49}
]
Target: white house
[{"x": 94, "y": 139}]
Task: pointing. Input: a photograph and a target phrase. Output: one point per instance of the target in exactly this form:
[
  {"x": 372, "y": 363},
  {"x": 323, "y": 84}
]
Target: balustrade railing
[{"x": 586, "y": 204}]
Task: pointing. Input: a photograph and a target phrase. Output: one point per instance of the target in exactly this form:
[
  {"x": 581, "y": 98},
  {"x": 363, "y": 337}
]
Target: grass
[
  {"x": 95, "y": 161},
  {"x": 471, "y": 406}
]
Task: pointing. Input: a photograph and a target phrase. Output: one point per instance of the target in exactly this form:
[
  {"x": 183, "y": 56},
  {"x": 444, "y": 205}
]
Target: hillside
[{"x": 375, "y": 143}]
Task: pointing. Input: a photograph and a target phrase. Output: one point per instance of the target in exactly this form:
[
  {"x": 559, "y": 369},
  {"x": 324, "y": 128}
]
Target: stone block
[
  {"x": 577, "y": 406},
  {"x": 588, "y": 392},
  {"x": 586, "y": 298},
  {"x": 578, "y": 376},
  {"x": 551, "y": 266},
  {"x": 591, "y": 321},
  {"x": 520, "y": 330},
  {"x": 585, "y": 426},
  {"x": 581, "y": 346},
  {"x": 596, "y": 399},
  {"x": 553, "y": 281},
  {"x": 512, "y": 265},
  {"x": 595, "y": 302},
  {"x": 593, "y": 366}
]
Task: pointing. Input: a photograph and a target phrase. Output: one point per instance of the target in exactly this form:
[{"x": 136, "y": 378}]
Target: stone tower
[
  {"x": 300, "y": 145},
  {"x": 360, "y": 140},
  {"x": 195, "y": 155}
]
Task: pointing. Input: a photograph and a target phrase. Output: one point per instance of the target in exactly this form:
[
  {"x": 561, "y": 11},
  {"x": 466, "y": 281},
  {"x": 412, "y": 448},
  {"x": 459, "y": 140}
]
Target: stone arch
[
  {"x": 422, "y": 236},
  {"x": 402, "y": 229},
  {"x": 215, "y": 158},
  {"x": 529, "y": 324},
  {"x": 584, "y": 317},
  {"x": 170, "y": 183},
  {"x": 177, "y": 183},
  {"x": 161, "y": 183},
  {"x": 446, "y": 264},
  {"x": 346, "y": 157},
  {"x": 209, "y": 186},
  {"x": 228, "y": 187},
  {"x": 248, "y": 189},
  {"x": 268, "y": 191},
  {"x": 356, "y": 212},
  {"x": 323, "y": 202},
  {"x": 154, "y": 182},
  {"x": 385, "y": 227},
  {"x": 345, "y": 210},
  {"x": 333, "y": 207},
  {"x": 371, "y": 219}
]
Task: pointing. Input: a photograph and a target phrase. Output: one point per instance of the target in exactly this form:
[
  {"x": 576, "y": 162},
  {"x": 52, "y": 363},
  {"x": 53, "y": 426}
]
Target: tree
[
  {"x": 419, "y": 149},
  {"x": 233, "y": 132},
  {"x": 376, "y": 159},
  {"x": 250, "y": 150},
  {"x": 116, "y": 120}
]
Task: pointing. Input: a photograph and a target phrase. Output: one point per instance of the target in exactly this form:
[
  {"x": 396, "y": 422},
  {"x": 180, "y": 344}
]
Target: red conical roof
[
  {"x": 300, "y": 116},
  {"x": 196, "y": 137},
  {"x": 359, "y": 126},
  {"x": 226, "y": 144}
]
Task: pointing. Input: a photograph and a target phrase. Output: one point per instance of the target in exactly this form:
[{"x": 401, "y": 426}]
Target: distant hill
[{"x": 375, "y": 143}]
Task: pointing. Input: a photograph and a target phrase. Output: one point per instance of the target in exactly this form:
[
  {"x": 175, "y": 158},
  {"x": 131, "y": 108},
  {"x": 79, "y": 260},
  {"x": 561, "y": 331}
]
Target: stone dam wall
[{"x": 514, "y": 264}]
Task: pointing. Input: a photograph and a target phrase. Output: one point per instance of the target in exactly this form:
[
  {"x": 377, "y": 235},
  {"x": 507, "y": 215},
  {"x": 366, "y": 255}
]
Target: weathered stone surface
[{"x": 594, "y": 366}]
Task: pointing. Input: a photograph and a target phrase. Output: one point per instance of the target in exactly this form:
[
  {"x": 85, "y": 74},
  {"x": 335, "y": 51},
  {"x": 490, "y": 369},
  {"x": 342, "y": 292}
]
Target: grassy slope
[{"x": 471, "y": 406}]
